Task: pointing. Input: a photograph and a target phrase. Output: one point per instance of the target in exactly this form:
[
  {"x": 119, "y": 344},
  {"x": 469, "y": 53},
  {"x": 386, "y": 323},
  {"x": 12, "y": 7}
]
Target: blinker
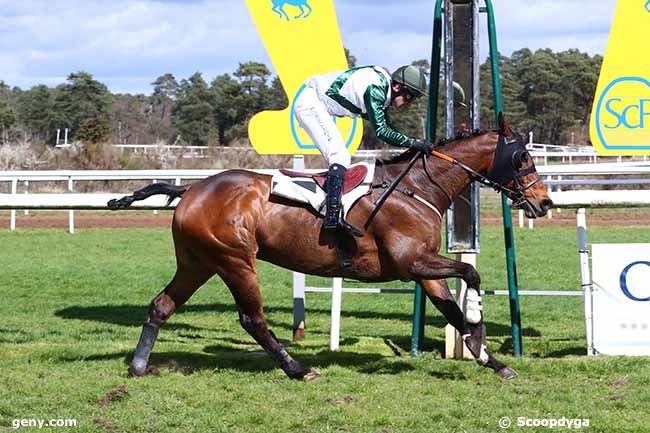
[{"x": 509, "y": 159}]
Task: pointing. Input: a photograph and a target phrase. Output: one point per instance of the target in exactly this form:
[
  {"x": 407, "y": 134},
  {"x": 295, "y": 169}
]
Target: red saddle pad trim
[{"x": 353, "y": 177}]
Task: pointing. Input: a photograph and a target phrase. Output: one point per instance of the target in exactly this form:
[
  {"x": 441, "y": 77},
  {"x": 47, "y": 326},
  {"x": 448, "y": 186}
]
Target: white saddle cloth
[{"x": 306, "y": 190}]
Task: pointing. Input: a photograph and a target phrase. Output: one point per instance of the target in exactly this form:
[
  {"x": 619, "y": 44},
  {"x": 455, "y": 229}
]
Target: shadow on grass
[
  {"x": 222, "y": 357},
  {"x": 135, "y": 315},
  {"x": 569, "y": 351}
]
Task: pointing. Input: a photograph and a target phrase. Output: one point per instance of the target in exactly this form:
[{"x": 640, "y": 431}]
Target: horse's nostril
[{"x": 547, "y": 203}]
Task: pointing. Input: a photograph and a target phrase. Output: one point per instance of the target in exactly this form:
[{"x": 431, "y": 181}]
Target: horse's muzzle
[{"x": 535, "y": 209}]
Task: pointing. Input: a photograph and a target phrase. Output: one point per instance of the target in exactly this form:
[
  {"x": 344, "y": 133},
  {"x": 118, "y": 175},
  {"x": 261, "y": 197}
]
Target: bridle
[{"x": 508, "y": 165}]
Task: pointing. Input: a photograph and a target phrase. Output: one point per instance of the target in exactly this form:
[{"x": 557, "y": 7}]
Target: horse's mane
[{"x": 408, "y": 154}]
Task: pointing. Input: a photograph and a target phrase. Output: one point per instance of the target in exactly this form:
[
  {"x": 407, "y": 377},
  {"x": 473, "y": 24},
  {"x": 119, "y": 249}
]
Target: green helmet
[{"x": 412, "y": 78}]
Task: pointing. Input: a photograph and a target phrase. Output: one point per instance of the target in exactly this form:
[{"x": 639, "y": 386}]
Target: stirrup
[{"x": 349, "y": 228}]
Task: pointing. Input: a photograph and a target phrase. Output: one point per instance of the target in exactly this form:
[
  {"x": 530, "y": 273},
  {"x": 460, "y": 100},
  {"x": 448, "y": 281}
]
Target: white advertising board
[{"x": 621, "y": 299}]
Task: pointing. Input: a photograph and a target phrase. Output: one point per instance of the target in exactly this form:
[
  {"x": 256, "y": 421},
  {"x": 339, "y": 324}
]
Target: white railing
[
  {"x": 541, "y": 152},
  {"x": 23, "y": 200}
]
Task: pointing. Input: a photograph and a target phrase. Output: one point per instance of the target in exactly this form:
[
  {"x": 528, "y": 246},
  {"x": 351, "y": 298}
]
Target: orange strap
[{"x": 443, "y": 156}]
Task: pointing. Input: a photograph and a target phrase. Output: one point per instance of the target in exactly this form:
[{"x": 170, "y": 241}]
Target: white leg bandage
[{"x": 474, "y": 306}]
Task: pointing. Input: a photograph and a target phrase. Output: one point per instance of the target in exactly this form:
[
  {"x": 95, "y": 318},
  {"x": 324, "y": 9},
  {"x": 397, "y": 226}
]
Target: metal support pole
[
  {"x": 12, "y": 219},
  {"x": 515, "y": 311},
  {"x": 419, "y": 314},
  {"x": 298, "y": 306},
  {"x": 419, "y": 306},
  {"x": 587, "y": 287},
  {"x": 335, "y": 329},
  {"x": 26, "y": 185},
  {"x": 155, "y": 212},
  {"x": 454, "y": 346},
  {"x": 298, "y": 279},
  {"x": 70, "y": 212}
]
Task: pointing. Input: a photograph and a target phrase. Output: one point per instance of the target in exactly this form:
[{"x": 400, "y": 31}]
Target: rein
[
  {"x": 390, "y": 187},
  {"x": 517, "y": 194}
]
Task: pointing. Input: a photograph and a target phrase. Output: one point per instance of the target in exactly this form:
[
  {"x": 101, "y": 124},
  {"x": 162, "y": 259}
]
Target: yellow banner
[
  {"x": 620, "y": 118},
  {"x": 302, "y": 38}
]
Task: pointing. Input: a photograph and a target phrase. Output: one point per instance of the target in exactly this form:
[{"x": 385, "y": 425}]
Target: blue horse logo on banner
[
  {"x": 647, "y": 6},
  {"x": 278, "y": 8}
]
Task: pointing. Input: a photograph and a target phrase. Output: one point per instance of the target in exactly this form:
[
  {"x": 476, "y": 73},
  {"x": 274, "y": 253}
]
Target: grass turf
[{"x": 73, "y": 305}]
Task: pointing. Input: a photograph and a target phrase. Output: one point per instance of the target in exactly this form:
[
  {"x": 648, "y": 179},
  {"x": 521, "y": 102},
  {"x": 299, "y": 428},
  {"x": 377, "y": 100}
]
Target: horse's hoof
[
  {"x": 137, "y": 368},
  {"x": 507, "y": 373},
  {"x": 311, "y": 375}
]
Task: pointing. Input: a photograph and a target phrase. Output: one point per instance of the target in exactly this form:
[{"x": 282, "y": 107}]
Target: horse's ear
[{"x": 504, "y": 127}]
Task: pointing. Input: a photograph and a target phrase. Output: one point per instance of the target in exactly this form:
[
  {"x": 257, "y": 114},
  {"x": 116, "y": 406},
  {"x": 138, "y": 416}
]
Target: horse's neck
[
  {"x": 450, "y": 179},
  {"x": 476, "y": 152}
]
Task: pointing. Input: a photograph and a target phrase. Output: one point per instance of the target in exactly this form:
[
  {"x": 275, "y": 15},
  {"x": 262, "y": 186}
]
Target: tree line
[{"x": 545, "y": 92}]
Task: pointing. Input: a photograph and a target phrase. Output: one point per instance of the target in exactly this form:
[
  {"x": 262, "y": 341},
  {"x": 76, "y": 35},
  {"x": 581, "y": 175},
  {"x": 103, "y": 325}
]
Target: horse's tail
[{"x": 172, "y": 191}]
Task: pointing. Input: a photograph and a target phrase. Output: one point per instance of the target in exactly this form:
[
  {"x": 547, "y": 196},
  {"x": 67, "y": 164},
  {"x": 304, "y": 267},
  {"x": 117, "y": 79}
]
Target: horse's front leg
[
  {"x": 432, "y": 273},
  {"x": 302, "y": 12}
]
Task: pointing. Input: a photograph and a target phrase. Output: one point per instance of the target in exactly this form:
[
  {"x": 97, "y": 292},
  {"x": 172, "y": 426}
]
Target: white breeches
[{"x": 313, "y": 116}]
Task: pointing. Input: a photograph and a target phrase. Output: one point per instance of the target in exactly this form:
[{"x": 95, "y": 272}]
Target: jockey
[{"x": 367, "y": 92}]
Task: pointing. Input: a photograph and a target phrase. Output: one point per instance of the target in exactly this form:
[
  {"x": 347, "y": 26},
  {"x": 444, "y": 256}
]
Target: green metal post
[
  {"x": 419, "y": 301},
  {"x": 434, "y": 75},
  {"x": 419, "y": 310},
  {"x": 511, "y": 265}
]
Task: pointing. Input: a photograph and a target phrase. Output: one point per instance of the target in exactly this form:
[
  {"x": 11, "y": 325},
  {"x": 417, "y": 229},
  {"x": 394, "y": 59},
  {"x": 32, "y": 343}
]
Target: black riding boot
[{"x": 334, "y": 215}]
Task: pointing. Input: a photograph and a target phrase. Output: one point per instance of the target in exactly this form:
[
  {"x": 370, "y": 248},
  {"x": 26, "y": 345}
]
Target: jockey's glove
[{"x": 424, "y": 145}]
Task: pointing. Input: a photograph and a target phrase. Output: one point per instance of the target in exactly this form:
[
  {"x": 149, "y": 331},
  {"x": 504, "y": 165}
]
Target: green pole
[
  {"x": 419, "y": 301},
  {"x": 434, "y": 74},
  {"x": 508, "y": 234},
  {"x": 419, "y": 309}
]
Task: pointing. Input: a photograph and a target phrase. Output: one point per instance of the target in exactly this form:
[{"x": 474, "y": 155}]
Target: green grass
[{"x": 72, "y": 306}]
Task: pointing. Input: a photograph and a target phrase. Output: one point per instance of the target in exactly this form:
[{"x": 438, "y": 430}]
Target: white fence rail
[
  {"x": 71, "y": 201},
  {"x": 543, "y": 153}
]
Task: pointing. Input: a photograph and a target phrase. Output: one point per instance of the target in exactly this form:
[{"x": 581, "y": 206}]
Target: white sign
[{"x": 621, "y": 299}]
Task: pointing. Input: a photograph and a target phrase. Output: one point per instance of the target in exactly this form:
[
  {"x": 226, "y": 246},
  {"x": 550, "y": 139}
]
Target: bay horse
[{"x": 225, "y": 222}]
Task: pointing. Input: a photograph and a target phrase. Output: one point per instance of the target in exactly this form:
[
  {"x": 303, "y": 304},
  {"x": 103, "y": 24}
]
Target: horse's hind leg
[
  {"x": 440, "y": 295},
  {"x": 241, "y": 279},
  {"x": 302, "y": 12},
  {"x": 178, "y": 291}
]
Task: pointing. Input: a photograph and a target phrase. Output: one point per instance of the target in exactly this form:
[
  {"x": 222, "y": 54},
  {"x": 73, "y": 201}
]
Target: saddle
[
  {"x": 354, "y": 176},
  {"x": 309, "y": 188}
]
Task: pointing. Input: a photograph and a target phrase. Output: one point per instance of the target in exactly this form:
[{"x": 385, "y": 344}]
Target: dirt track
[{"x": 88, "y": 219}]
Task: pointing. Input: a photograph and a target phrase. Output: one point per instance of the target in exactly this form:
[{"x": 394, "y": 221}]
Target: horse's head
[{"x": 514, "y": 168}]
